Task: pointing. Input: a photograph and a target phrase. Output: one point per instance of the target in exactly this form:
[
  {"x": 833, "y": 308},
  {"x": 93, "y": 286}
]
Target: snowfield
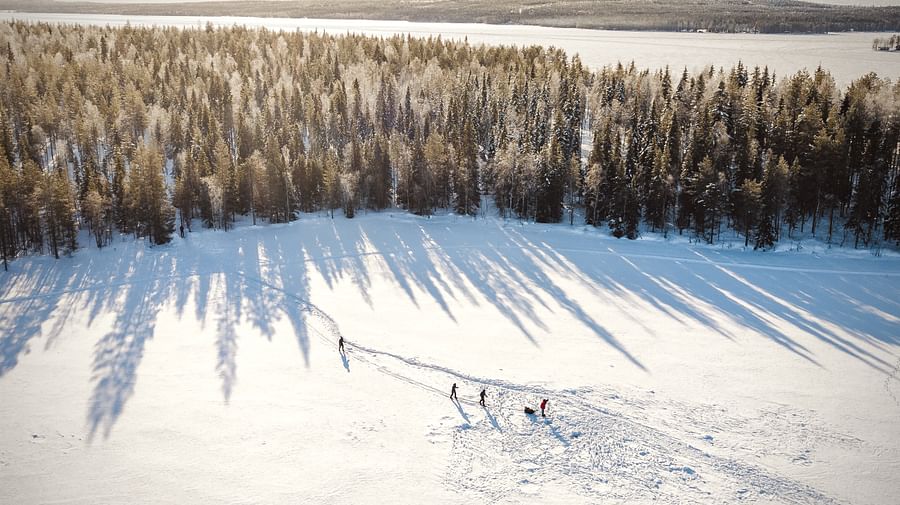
[
  {"x": 207, "y": 371},
  {"x": 846, "y": 55}
]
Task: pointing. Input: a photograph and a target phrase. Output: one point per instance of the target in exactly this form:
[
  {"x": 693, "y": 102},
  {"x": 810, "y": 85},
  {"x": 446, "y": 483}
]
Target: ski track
[
  {"x": 894, "y": 376},
  {"x": 498, "y": 452}
]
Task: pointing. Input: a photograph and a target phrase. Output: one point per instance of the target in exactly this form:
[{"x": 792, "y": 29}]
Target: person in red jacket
[{"x": 543, "y": 406}]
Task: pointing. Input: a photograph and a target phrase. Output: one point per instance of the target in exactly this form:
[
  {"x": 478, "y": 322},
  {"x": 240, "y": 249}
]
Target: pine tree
[
  {"x": 332, "y": 180},
  {"x": 95, "y": 209},
  {"x": 747, "y": 205},
  {"x": 661, "y": 192},
  {"x": 7, "y": 210},
  {"x": 254, "y": 192},
  {"x": 419, "y": 181},
  {"x": 31, "y": 203},
  {"x": 61, "y": 223},
  {"x": 892, "y": 219},
  {"x": 551, "y": 182},
  {"x": 771, "y": 198},
  {"x": 381, "y": 175},
  {"x": 145, "y": 190},
  {"x": 227, "y": 181},
  {"x": 468, "y": 198},
  {"x": 711, "y": 202},
  {"x": 599, "y": 170}
]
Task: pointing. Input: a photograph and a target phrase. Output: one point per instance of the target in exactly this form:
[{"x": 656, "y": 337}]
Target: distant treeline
[
  {"x": 891, "y": 43},
  {"x": 127, "y": 129},
  {"x": 765, "y": 16}
]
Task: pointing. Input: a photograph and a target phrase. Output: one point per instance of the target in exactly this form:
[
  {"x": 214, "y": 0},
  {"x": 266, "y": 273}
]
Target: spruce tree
[
  {"x": 771, "y": 199},
  {"x": 153, "y": 214}
]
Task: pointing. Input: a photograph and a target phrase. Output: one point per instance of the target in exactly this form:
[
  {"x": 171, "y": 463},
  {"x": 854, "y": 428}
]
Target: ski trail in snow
[
  {"x": 498, "y": 452},
  {"x": 890, "y": 379}
]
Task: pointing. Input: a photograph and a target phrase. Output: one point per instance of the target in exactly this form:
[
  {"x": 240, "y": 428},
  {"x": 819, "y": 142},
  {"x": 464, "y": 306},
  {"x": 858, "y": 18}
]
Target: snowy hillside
[{"x": 207, "y": 371}]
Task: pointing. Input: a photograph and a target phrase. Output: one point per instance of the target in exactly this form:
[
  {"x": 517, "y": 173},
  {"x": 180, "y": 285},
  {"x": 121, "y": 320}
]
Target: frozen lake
[{"x": 846, "y": 55}]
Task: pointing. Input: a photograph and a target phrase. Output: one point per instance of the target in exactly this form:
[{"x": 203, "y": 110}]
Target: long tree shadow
[
  {"x": 576, "y": 309},
  {"x": 337, "y": 252},
  {"x": 681, "y": 289},
  {"x": 427, "y": 255},
  {"x": 119, "y": 353},
  {"x": 32, "y": 295},
  {"x": 228, "y": 312},
  {"x": 511, "y": 271},
  {"x": 825, "y": 305},
  {"x": 408, "y": 261},
  {"x": 771, "y": 300},
  {"x": 40, "y": 296},
  {"x": 443, "y": 270}
]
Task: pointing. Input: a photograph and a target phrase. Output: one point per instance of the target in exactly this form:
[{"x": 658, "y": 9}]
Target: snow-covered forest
[{"x": 136, "y": 130}]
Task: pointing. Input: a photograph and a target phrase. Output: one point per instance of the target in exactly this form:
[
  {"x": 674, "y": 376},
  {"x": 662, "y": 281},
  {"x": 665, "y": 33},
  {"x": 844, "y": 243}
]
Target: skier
[
  {"x": 341, "y": 344},
  {"x": 483, "y": 393},
  {"x": 181, "y": 229},
  {"x": 543, "y": 406},
  {"x": 453, "y": 392}
]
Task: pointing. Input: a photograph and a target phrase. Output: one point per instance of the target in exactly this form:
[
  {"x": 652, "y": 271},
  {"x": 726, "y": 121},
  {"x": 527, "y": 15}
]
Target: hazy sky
[{"x": 840, "y": 2}]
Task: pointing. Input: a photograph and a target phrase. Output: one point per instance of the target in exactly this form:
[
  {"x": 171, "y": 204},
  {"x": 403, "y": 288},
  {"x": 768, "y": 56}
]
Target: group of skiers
[
  {"x": 483, "y": 394},
  {"x": 453, "y": 396}
]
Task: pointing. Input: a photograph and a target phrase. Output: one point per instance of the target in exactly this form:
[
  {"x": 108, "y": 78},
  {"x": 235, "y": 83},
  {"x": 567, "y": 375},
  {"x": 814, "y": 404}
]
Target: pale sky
[{"x": 879, "y": 3}]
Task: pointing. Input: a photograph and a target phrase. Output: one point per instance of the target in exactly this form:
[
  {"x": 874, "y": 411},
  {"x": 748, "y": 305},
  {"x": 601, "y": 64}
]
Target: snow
[
  {"x": 207, "y": 371},
  {"x": 846, "y": 55}
]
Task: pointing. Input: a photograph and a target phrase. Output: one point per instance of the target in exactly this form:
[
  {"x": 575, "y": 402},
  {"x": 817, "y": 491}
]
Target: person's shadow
[
  {"x": 492, "y": 419},
  {"x": 345, "y": 360},
  {"x": 461, "y": 411}
]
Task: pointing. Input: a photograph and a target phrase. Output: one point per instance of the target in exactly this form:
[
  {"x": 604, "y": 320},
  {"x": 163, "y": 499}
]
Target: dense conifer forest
[{"x": 135, "y": 130}]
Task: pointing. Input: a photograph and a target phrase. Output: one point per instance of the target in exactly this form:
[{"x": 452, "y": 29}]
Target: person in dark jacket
[
  {"x": 341, "y": 344},
  {"x": 453, "y": 392},
  {"x": 483, "y": 393},
  {"x": 543, "y": 406}
]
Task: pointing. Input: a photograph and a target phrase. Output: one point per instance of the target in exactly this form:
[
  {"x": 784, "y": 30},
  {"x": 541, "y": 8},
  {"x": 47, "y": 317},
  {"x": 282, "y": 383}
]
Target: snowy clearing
[{"x": 207, "y": 371}]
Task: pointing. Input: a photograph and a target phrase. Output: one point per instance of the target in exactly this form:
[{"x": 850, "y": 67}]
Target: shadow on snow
[{"x": 258, "y": 276}]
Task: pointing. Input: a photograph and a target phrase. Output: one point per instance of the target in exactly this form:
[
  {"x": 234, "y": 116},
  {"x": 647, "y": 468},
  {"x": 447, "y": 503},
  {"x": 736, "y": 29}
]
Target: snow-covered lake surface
[
  {"x": 847, "y": 55},
  {"x": 207, "y": 371}
]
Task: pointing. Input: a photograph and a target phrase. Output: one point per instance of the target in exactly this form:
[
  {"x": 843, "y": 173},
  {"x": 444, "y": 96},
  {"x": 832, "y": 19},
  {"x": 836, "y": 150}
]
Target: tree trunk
[
  {"x": 815, "y": 217},
  {"x": 3, "y": 247},
  {"x": 830, "y": 224}
]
